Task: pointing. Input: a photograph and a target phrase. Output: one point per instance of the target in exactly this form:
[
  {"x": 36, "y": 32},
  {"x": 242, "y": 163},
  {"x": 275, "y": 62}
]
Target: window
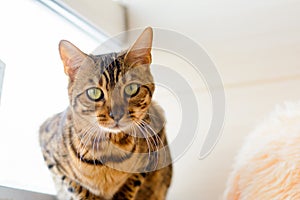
[{"x": 34, "y": 87}]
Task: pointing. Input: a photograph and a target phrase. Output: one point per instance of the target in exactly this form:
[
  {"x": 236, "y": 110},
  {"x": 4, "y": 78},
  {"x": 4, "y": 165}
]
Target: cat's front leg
[
  {"x": 71, "y": 190},
  {"x": 131, "y": 187}
]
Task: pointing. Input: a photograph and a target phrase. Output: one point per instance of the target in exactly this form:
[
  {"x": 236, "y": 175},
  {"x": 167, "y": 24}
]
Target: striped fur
[{"x": 115, "y": 147}]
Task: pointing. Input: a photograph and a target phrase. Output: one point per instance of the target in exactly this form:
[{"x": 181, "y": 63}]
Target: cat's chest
[{"x": 101, "y": 180}]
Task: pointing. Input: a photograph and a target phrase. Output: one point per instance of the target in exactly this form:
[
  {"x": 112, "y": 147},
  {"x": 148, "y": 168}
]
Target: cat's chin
[{"x": 114, "y": 130}]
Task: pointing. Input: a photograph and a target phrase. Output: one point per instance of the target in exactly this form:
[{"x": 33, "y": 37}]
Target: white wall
[
  {"x": 256, "y": 48},
  {"x": 107, "y": 15}
]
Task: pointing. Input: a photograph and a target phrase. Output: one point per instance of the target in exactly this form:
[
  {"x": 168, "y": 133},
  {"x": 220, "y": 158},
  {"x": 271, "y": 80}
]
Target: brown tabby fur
[{"x": 111, "y": 148}]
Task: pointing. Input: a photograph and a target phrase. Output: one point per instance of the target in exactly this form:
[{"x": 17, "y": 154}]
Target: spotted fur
[{"x": 115, "y": 147}]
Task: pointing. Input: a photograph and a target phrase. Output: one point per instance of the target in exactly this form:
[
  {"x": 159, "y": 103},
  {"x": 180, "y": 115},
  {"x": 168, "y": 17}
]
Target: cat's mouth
[{"x": 115, "y": 127}]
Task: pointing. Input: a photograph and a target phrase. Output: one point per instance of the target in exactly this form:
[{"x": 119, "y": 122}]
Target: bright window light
[{"x": 34, "y": 87}]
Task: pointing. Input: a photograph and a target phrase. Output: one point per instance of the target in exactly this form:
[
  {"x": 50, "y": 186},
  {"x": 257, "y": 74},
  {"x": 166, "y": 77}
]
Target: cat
[
  {"x": 268, "y": 165},
  {"x": 110, "y": 143}
]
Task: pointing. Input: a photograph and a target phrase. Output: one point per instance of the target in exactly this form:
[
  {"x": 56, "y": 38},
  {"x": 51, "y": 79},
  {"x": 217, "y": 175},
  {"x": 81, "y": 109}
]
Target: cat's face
[
  {"x": 115, "y": 94},
  {"x": 112, "y": 90}
]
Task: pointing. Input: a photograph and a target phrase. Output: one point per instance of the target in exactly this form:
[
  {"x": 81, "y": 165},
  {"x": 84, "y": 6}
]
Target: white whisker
[
  {"x": 157, "y": 138},
  {"x": 147, "y": 140}
]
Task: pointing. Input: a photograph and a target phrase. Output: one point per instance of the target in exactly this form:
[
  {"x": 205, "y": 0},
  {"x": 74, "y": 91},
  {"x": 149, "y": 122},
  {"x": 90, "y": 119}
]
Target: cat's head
[{"x": 112, "y": 90}]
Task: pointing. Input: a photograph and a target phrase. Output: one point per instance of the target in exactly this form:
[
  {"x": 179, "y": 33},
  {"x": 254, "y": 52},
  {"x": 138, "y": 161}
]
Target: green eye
[
  {"x": 94, "y": 94},
  {"x": 131, "y": 89}
]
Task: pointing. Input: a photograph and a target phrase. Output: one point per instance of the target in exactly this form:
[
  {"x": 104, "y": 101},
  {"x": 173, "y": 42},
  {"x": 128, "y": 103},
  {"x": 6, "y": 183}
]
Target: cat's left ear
[
  {"x": 71, "y": 57},
  {"x": 140, "y": 52}
]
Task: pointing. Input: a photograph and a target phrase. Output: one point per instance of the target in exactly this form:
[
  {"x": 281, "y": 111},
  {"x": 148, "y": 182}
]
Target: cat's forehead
[
  {"x": 111, "y": 67},
  {"x": 113, "y": 64},
  {"x": 108, "y": 61}
]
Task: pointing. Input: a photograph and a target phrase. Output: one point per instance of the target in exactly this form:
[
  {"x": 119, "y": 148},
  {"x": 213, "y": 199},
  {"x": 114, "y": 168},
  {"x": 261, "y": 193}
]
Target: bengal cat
[{"x": 110, "y": 142}]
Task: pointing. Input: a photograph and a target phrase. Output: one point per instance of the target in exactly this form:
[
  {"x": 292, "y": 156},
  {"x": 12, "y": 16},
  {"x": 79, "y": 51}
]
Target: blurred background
[{"x": 255, "y": 46}]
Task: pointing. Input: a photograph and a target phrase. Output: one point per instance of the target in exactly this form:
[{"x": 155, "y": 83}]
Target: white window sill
[{"x": 16, "y": 194}]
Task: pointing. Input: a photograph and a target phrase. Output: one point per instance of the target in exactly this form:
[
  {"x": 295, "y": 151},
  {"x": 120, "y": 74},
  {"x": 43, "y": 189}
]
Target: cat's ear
[
  {"x": 71, "y": 57},
  {"x": 140, "y": 52}
]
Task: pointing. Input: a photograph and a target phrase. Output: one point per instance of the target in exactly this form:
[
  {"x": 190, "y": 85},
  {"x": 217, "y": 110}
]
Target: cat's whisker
[
  {"x": 85, "y": 139},
  {"x": 104, "y": 140},
  {"x": 155, "y": 151},
  {"x": 81, "y": 148},
  {"x": 100, "y": 137},
  {"x": 147, "y": 140},
  {"x": 157, "y": 138},
  {"x": 134, "y": 131},
  {"x": 145, "y": 125},
  {"x": 89, "y": 140},
  {"x": 154, "y": 132},
  {"x": 93, "y": 140},
  {"x": 150, "y": 136},
  {"x": 92, "y": 136},
  {"x": 148, "y": 113},
  {"x": 155, "y": 143},
  {"x": 82, "y": 132},
  {"x": 162, "y": 146}
]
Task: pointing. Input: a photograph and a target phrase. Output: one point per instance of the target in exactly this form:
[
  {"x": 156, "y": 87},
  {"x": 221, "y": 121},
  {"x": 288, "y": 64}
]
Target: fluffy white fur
[{"x": 268, "y": 165}]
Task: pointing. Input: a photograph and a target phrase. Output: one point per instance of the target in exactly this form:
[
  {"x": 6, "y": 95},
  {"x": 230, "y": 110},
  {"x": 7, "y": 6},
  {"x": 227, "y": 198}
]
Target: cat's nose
[{"x": 116, "y": 114}]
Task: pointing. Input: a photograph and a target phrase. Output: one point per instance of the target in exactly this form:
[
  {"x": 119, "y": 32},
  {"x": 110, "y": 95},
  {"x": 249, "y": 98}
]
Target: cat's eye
[
  {"x": 95, "y": 94},
  {"x": 131, "y": 89}
]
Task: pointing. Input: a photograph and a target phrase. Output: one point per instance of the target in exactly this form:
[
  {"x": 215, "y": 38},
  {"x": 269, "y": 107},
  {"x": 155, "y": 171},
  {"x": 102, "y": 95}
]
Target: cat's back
[
  {"x": 50, "y": 129},
  {"x": 268, "y": 165}
]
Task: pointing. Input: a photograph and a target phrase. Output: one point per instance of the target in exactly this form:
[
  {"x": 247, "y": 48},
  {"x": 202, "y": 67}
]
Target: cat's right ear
[{"x": 71, "y": 57}]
